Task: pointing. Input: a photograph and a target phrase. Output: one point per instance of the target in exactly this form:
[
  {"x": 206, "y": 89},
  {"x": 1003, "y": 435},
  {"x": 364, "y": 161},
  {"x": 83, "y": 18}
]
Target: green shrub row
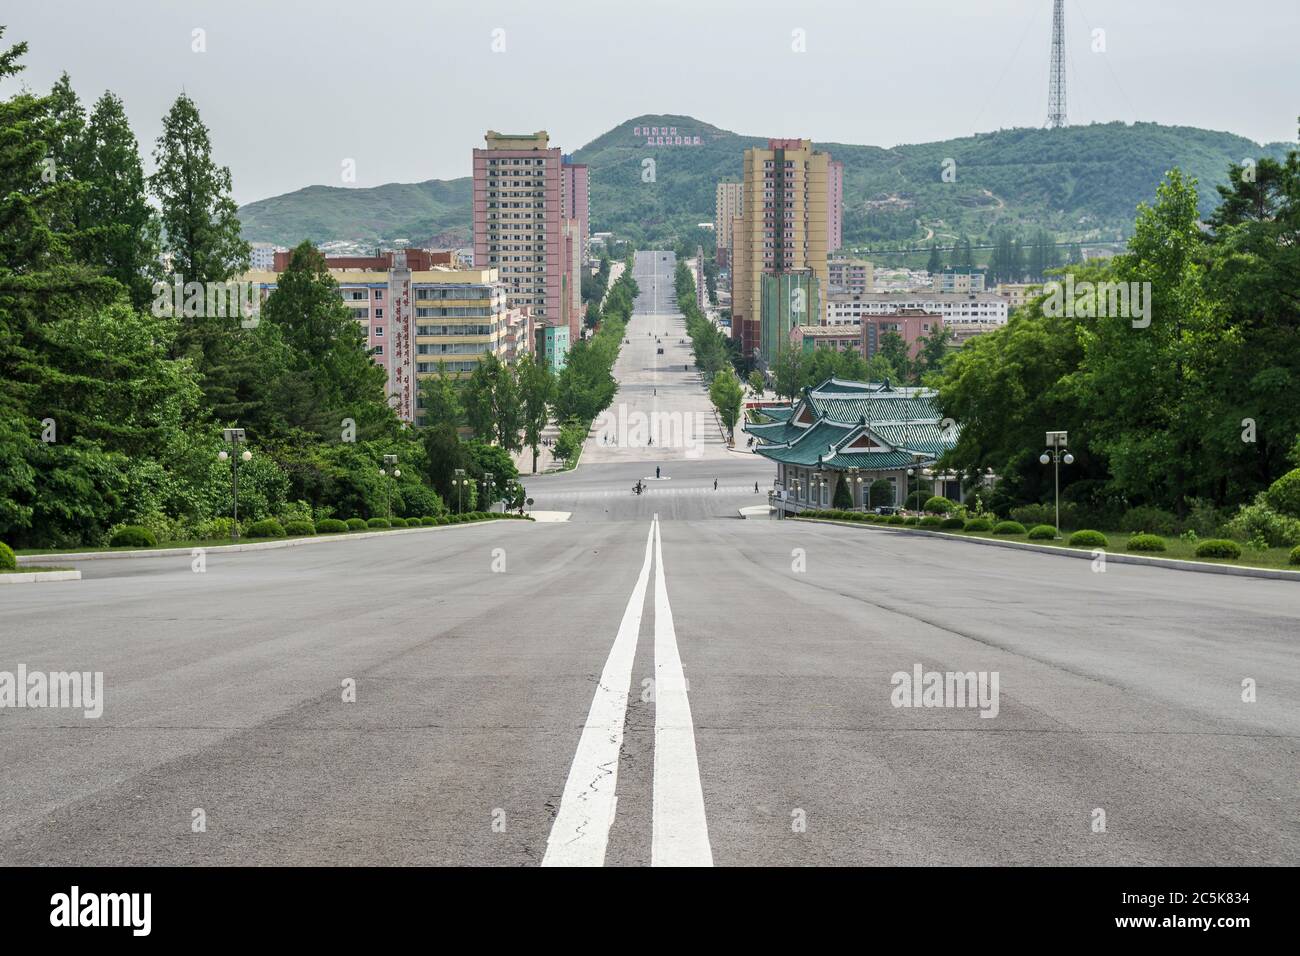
[{"x": 7, "y": 560}]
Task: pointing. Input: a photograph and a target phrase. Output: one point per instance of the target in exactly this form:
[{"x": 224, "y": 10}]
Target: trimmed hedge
[
  {"x": 1146, "y": 542},
  {"x": 1008, "y": 527},
  {"x": 978, "y": 524},
  {"x": 428, "y": 521},
  {"x": 7, "y": 560},
  {"x": 330, "y": 526},
  {"x": 1218, "y": 548},
  {"x": 443, "y": 519},
  {"x": 356, "y": 524},
  {"x": 897, "y": 519},
  {"x": 1089, "y": 539},
  {"x": 1295, "y": 555},
  {"x": 299, "y": 527},
  {"x": 931, "y": 521},
  {"x": 397, "y": 522},
  {"x": 266, "y": 528},
  {"x": 1042, "y": 532},
  {"x": 952, "y": 524},
  {"x": 940, "y": 504},
  {"x": 911, "y": 520},
  {"x": 133, "y": 536},
  {"x": 378, "y": 523}
]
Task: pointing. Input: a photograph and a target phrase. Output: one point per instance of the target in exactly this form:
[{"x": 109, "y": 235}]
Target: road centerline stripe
[
  {"x": 580, "y": 832},
  {"x": 680, "y": 831}
]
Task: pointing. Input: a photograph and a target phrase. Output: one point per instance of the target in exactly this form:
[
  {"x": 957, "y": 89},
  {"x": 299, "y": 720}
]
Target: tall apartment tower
[
  {"x": 779, "y": 277},
  {"x": 728, "y": 205},
  {"x": 834, "y": 205},
  {"x": 575, "y": 198},
  {"x": 518, "y": 225}
]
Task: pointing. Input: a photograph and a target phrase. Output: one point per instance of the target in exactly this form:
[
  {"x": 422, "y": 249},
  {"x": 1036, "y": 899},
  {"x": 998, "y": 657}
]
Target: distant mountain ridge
[{"x": 1079, "y": 182}]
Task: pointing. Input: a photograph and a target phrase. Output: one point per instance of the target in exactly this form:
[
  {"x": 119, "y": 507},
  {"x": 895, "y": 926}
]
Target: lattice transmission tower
[{"x": 1056, "y": 81}]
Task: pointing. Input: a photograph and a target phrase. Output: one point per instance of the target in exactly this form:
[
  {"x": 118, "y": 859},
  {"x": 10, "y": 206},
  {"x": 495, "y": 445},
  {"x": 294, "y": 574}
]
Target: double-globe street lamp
[
  {"x": 234, "y": 437},
  {"x": 487, "y": 488},
  {"x": 1057, "y": 453},
  {"x": 390, "y": 462},
  {"x": 459, "y": 481}
]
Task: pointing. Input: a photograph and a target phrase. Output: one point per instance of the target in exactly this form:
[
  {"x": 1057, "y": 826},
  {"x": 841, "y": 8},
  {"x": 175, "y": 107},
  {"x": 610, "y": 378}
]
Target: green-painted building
[
  {"x": 787, "y": 299},
  {"x": 551, "y": 343},
  {"x": 858, "y": 433}
]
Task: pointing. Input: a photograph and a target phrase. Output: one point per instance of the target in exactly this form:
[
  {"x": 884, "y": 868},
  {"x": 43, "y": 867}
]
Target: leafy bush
[
  {"x": 133, "y": 536},
  {"x": 1295, "y": 555},
  {"x": 378, "y": 523},
  {"x": 428, "y": 521},
  {"x": 266, "y": 528},
  {"x": 1258, "y": 520},
  {"x": 396, "y": 522},
  {"x": 1283, "y": 495},
  {"x": 911, "y": 519},
  {"x": 443, "y": 519},
  {"x": 298, "y": 526},
  {"x": 330, "y": 526},
  {"x": 1089, "y": 539},
  {"x": 932, "y": 521},
  {"x": 7, "y": 560},
  {"x": 1030, "y": 515},
  {"x": 1042, "y": 532},
  {"x": 214, "y": 528},
  {"x": 978, "y": 524},
  {"x": 939, "y": 504},
  {"x": 1008, "y": 527},
  {"x": 1145, "y": 542},
  {"x": 1150, "y": 521},
  {"x": 356, "y": 524},
  {"x": 916, "y": 500},
  {"x": 952, "y": 524},
  {"x": 1204, "y": 519},
  {"x": 418, "y": 500},
  {"x": 897, "y": 519},
  {"x": 1218, "y": 548}
]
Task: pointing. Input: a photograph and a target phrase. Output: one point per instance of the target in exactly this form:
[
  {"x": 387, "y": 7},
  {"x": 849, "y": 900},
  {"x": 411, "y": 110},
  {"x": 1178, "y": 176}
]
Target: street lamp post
[
  {"x": 1057, "y": 453},
  {"x": 487, "y": 488},
  {"x": 458, "y": 479},
  {"x": 234, "y": 437},
  {"x": 854, "y": 478},
  {"x": 389, "y": 462}
]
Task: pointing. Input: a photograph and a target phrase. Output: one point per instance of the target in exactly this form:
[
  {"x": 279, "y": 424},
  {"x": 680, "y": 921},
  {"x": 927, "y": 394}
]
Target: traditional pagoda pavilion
[{"x": 858, "y": 433}]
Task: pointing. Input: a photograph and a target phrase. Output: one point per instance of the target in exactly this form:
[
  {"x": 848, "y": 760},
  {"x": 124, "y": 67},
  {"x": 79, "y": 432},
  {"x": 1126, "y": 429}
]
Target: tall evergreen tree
[{"x": 124, "y": 232}]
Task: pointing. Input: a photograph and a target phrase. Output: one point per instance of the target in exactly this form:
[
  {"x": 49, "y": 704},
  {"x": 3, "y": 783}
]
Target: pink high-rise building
[
  {"x": 834, "y": 205},
  {"x": 575, "y": 198},
  {"x": 518, "y": 221}
]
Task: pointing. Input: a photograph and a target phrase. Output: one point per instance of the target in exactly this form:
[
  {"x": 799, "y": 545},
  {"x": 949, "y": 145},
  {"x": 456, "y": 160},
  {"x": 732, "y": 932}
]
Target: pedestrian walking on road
[
  {"x": 715, "y": 484},
  {"x": 756, "y": 487}
]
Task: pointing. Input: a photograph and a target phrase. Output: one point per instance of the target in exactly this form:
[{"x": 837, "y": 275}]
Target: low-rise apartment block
[{"x": 956, "y": 308}]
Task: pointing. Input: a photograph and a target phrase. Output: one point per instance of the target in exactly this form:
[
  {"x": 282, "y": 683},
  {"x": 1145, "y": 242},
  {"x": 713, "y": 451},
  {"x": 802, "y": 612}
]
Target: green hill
[{"x": 1079, "y": 182}]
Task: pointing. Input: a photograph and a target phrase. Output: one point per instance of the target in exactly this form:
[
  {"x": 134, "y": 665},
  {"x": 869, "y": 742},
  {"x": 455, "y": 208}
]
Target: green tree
[
  {"x": 727, "y": 396},
  {"x": 788, "y": 373},
  {"x": 536, "y": 394},
  {"x": 935, "y": 262},
  {"x": 199, "y": 217}
]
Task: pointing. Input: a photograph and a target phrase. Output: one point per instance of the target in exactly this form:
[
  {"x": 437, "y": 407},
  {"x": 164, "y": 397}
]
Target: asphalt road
[{"x": 697, "y": 688}]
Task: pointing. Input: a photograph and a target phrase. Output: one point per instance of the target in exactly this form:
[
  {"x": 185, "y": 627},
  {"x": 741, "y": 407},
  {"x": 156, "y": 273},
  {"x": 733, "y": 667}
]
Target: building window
[
  {"x": 377, "y": 350},
  {"x": 379, "y": 331}
]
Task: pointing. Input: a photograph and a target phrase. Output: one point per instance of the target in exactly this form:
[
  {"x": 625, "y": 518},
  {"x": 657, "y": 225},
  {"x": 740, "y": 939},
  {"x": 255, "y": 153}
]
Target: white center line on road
[
  {"x": 580, "y": 832},
  {"x": 680, "y": 832}
]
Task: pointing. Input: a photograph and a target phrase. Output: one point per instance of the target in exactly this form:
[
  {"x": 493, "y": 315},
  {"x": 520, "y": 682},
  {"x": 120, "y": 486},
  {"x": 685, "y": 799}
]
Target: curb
[
  {"x": 40, "y": 577},
  {"x": 1087, "y": 555},
  {"x": 232, "y": 548}
]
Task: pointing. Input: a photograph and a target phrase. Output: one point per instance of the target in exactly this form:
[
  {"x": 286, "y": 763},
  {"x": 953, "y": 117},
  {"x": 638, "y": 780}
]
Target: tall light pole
[
  {"x": 234, "y": 437},
  {"x": 458, "y": 479},
  {"x": 389, "y": 462},
  {"x": 1057, "y": 453},
  {"x": 487, "y": 488}
]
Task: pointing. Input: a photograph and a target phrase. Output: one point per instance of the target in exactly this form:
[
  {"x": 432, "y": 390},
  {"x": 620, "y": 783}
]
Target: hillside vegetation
[{"x": 1081, "y": 183}]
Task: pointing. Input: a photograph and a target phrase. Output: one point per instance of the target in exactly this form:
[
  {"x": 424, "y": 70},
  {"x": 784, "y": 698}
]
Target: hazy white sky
[{"x": 406, "y": 88}]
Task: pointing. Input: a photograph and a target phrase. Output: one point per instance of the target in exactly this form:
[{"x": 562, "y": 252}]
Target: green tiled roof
[
  {"x": 778, "y": 413},
  {"x": 879, "y": 407},
  {"x": 779, "y": 432}
]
